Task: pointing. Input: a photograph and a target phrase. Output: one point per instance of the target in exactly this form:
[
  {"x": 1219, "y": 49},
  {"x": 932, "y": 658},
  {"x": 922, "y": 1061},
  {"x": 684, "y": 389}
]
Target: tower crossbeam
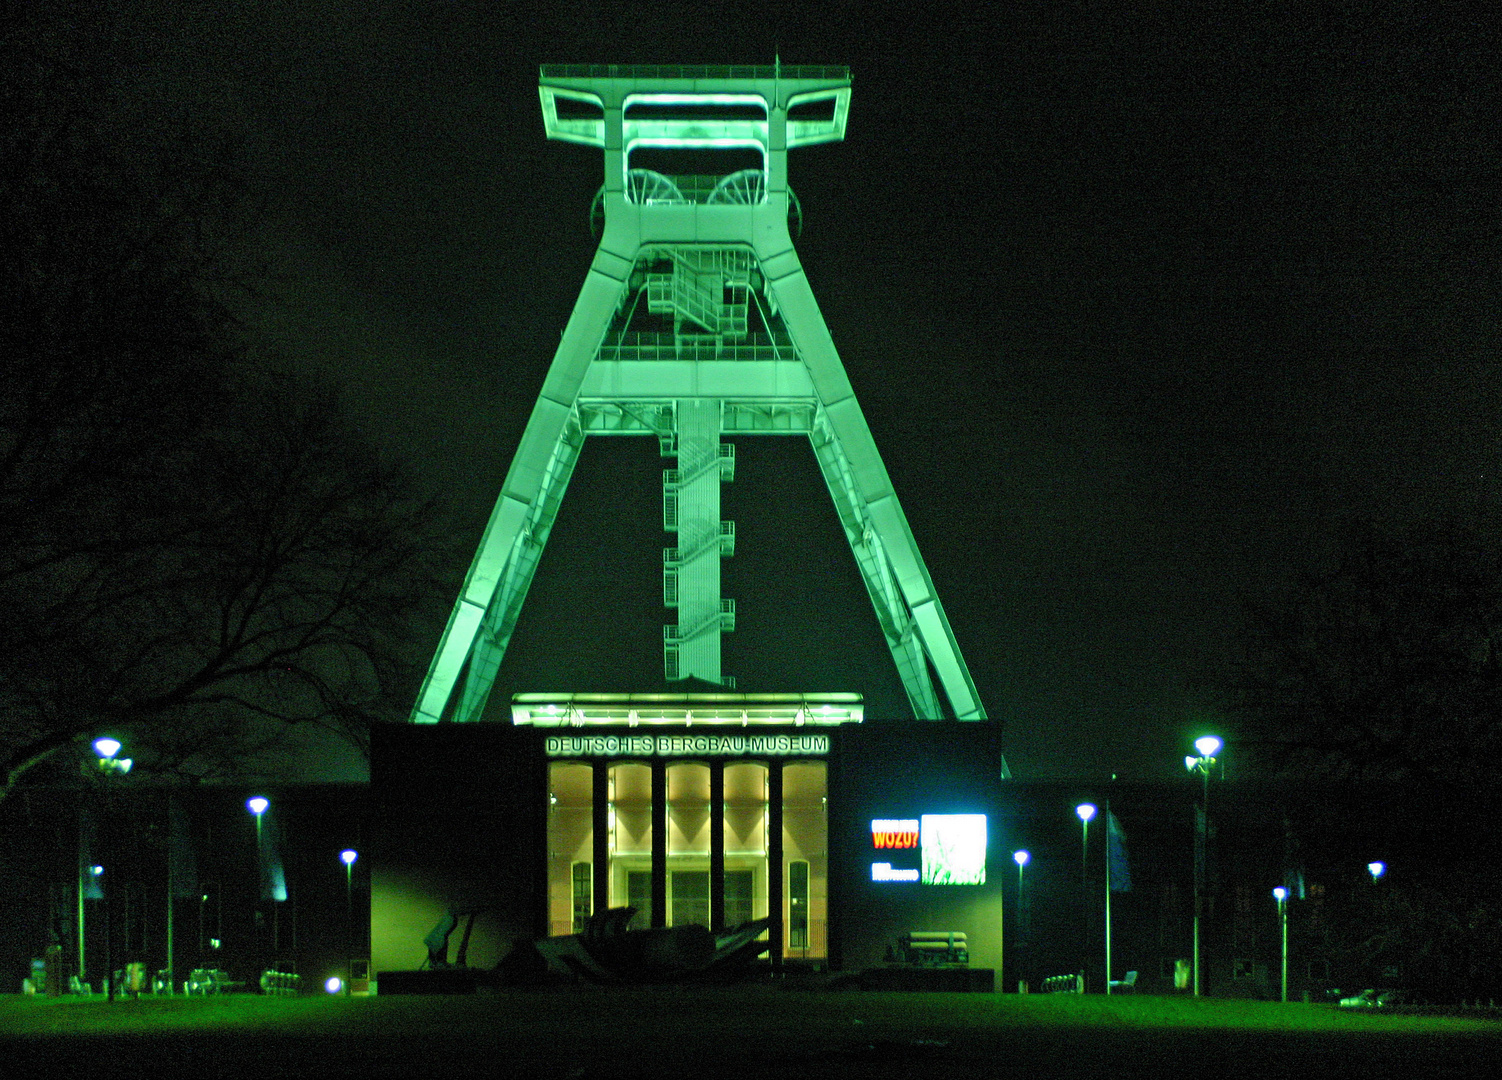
[{"x": 695, "y": 321}]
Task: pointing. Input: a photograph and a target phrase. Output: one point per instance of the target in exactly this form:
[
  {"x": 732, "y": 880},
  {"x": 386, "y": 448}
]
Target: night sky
[{"x": 1140, "y": 309}]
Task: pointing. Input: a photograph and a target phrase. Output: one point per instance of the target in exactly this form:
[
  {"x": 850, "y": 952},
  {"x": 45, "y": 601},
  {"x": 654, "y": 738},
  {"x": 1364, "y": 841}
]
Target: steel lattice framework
[{"x": 696, "y": 321}]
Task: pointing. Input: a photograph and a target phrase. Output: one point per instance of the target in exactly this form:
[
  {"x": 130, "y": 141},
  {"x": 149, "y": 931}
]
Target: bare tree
[
  {"x": 188, "y": 545},
  {"x": 1386, "y": 666}
]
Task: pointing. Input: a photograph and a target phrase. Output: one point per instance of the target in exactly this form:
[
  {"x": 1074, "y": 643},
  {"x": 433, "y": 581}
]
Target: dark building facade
[{"x": 846, "y": 835}]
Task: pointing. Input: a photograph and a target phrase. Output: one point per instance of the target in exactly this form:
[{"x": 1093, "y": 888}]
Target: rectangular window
[
  {"x": 689, "y": 903},
  {"x": 797, "y": 904},
  {"x": 583, "y": 895},
  {"x": 630, "y": 844},
  {"x": 739, "y": 896},
  {"x": 570, "y": 810},
  {"x": 804, "y": 904},
  {"x": 639, "y": 896}
]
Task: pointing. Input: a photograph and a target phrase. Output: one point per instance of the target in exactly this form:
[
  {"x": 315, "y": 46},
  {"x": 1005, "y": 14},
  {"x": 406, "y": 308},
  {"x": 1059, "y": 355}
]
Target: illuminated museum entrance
[
  {"x": 714, "y": 824},
  {"x": 718, "y": 868}
]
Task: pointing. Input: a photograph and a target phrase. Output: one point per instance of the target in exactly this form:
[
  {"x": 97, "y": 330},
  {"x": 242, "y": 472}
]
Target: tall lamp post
[
  {"x": 257, "y": 805},
  {"x": 1021, "y": 859},
  {"x": 1208, "y": 746},
  {"x": 90, "y": 876},
  {"x": 1086, "y": 811},
  {"x": 1280, "y": 894},
  {"x": 348, "y": 857}
]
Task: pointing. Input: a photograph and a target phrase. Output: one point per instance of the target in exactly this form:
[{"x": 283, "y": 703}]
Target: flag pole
[{"x": 1108, "y": 897}]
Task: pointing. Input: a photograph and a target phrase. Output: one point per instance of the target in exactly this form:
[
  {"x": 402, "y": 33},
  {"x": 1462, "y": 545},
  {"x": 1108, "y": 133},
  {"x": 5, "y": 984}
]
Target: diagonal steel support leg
[
  {"x": 505, "y": 608},
  {"x": 895, "y": 565},
  {"x": 523, "y": 515},
  {"x": 876, "y": 571}
]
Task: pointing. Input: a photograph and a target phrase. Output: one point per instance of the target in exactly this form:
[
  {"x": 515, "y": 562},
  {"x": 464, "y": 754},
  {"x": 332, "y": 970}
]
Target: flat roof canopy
[{"x": 576, "y": 710}]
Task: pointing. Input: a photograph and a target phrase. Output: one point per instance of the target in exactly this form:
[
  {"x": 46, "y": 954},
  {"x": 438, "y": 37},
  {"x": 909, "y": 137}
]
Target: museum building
[{"x": 712, "y": 809}]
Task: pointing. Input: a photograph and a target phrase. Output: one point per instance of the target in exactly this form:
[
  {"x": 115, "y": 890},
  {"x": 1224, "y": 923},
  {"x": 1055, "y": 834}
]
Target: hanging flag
[
  {"x": 1293, "y": 881},
  {"x": 273, "y": 877},
  {"x": 1116, "y": 856}
]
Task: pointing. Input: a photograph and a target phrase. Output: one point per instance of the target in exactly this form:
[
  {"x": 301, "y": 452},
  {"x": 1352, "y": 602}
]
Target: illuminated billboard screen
[
  {"x": 954, "y": 849},
  {"x": 949, "y": 849}
]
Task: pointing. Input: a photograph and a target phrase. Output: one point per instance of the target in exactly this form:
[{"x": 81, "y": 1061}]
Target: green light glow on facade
[{"x": 954, "y": 849}]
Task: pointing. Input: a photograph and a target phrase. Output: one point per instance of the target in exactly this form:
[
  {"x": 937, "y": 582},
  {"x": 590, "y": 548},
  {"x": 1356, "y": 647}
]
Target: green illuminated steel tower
[{"x": 696, "y": 321}]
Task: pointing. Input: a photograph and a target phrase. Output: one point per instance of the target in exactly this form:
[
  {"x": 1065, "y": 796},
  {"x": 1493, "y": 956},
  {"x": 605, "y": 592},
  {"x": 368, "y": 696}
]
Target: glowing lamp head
[
  {"x": 348, "y": 856},
  {"x": 1020, "y": 857},
  {"x": 96, "y": 870},
  {"x": 106, "y": 747},
  {"x": 1376, "y": 869},
  {"x": 1207, "y": 745},
  {"x": 1085, "y": 810},
  {"x": 1280, "y": 894},
  {"x": 257, "y": 805},
  {"x": 334, "y": 984}
]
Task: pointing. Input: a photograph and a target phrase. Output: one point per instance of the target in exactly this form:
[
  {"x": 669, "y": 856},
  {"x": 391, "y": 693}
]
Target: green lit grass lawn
[{"x": 736, "y": 1032}]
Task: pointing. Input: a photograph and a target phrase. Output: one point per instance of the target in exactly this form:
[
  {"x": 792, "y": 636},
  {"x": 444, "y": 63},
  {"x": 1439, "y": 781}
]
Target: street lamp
[
  {"x": 1376, "y": 869},
  {"x": 109, "y": 763},
  {"x": 1021, "y": 859},
  {"x": 1208, "y": 746},
  {"x": 1086, "y": 811},
  {"x": 258, "y": 805},
  {"x": 348, "y": 857},
  {"x": 1280, "y": 894},
  {"x": 110, "y": 760}
]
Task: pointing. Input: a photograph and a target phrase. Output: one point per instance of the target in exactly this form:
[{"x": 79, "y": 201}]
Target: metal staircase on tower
[{"x": 695, "y": 322}]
